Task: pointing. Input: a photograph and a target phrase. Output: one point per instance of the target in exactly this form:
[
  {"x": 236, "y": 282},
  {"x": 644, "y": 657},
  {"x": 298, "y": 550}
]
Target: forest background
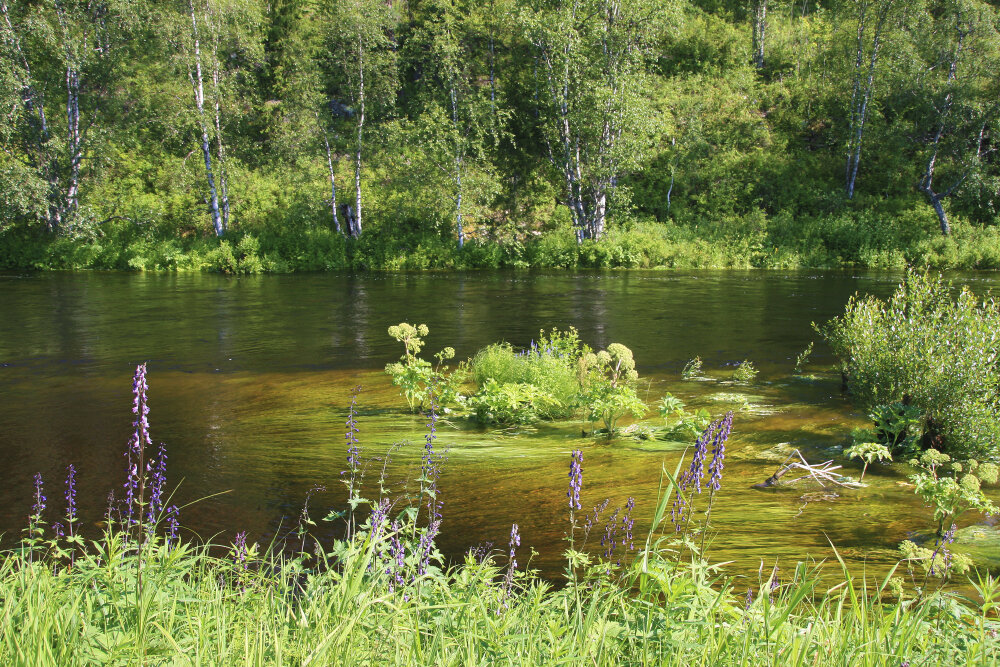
[{"x": 248, "y": 136}]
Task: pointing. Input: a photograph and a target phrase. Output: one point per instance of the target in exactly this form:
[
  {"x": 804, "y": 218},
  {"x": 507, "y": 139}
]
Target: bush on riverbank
[{"x": 927, "y": 349}]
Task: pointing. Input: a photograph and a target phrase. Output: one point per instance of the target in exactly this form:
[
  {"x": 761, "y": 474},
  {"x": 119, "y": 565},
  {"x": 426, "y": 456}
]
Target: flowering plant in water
[{"x": 414, "y": 375}]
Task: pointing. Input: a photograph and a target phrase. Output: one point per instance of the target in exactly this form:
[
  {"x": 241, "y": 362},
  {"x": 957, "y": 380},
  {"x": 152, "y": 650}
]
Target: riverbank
[{"x": 836, "y": 241}]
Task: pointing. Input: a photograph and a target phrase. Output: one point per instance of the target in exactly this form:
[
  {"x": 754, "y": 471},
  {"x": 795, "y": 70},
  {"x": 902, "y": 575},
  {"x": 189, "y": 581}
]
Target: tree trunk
[
  {"x": 75, "y": 140},
  {"x": 206, "y": 145},
  {"x": 354, "y": 221},
  {"x": 863, "y": 86},
  {"x": 333, "y": 177},
  {"x": 759, "y": 20},
  {"x": 458, "y": 168}
]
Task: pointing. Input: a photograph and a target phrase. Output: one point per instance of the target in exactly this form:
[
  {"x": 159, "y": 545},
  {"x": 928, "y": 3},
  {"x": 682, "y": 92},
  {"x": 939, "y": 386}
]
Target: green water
[{"x": 250, "y": 378}]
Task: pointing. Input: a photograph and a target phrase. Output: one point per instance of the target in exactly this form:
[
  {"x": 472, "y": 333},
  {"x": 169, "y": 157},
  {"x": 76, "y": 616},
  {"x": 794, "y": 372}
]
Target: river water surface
[{"x": 250, "y": 379}]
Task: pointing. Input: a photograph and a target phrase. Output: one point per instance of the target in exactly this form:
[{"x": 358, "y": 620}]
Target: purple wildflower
[
  {"x": 593, "y": 518},
  {"x": 946, "y": 539},
  {"x": 57, "y": 528},
  {"x": 719, "y": 451},
  {"x": 240, "y": 550},
  {"x": 39, "y": 506},
  {"x": 172, "y": 524},
  {"x": 427, "y": 545},
  {"x": 140, "y": 439},
  {"x": 749, "y": 599},
  {"x": 609, "y": 540},
  {"x": 508, "y": 580},
  {"x": 628, "y": 523},
  {"x": 515, "y": 541},
  {"x": 575, "y": 481},
  {"x": 397, "y": 558},
  {"x": 379, "y": 515},
  {"x": 71, "y": 497},
  {"x": 716, "y": 433},
  {"x": 158, "y": 468},
  {"x": 351, "y": 435}
]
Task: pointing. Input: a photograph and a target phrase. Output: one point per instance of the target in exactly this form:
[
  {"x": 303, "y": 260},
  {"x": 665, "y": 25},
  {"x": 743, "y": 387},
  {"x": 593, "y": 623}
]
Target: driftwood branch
[{"x": 821, "y": 473}]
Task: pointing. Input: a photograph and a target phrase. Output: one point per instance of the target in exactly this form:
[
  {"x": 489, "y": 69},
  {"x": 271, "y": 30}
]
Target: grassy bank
[{"x": 835, "y": 241}]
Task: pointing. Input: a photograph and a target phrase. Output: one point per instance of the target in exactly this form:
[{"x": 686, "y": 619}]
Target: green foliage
[
  {"x": 549, "y": 367},
  {"x": 952, "y": 495},
  {"x": 931, "y": 350},
  {"x": 609, "y": 379},
  {"x": 417, "y": 378},
  {"x": 868, "y": 452},
  {"x": 682, "y": 424},
  {"x": 512, "y": 403},
  {"x": 802, "y": 358},
  {"x": 745, "y": 372},
  {"x": 692, "y": 369}
]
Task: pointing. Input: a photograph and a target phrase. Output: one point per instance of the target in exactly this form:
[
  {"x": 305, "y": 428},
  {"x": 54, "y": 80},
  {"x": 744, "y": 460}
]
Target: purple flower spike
[
  {"x": 719, "y": 451},
  {"x": 158, "y": 468},
  {"x": 575, "y": 480},
  {"x": 140, "y": 439},
  {"x": 351, "y": 435},
  {"x": 71, "y": 496},
  {"x": 515, "y": 541},
  {"x": 172, "y": 524},
  {"x": 39, "y": 506}
]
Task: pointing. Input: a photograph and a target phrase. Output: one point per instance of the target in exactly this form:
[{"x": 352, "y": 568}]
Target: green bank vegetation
[{"x": 244, "y": 136}]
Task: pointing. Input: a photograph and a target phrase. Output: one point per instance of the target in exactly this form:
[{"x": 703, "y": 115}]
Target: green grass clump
[
  {"x": 929, "y": 350},
  {"x": 549, "y": 367}
]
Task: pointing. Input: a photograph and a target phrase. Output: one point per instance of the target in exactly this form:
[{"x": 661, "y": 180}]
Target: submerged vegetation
[{"x": 381, "y": 593}]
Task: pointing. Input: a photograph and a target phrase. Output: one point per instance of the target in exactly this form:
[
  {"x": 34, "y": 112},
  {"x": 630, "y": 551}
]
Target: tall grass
[{"x": 382, "y": 595}]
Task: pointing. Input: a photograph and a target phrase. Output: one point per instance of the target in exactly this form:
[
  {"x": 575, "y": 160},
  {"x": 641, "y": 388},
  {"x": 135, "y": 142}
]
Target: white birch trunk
[{"x": 206, "y": 146}]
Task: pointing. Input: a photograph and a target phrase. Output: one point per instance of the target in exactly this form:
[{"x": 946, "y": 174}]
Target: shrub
[{"x": 931, "y": 350}]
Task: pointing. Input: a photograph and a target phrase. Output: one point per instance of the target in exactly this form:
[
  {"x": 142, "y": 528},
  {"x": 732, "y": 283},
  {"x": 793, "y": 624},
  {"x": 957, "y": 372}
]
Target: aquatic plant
[
  {"x": 951, "y": 495},
  {"x": 868, "y": 452},
  {"x": 802, "y": 358},
  {"x": 414, "y": 375},
  {"x": 538, "y": 382},
  {"x": 609, "y": 378},
  {"x": 692, "y": 369},
  {"x": 745, "y": 372}
]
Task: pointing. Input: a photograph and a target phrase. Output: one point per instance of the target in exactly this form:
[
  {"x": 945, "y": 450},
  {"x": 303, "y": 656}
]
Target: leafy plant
[
  {"x": 745, "y": 372},
  {"x": 417, "y": 377},
  {"x": 511, "y": 403},
  {"x": 681, "y": 423},
  {"x": 802, "y": 358},
  {"x": 951, "y": 495},
  {"x": 898, "y": 426},
  {"x": 929, "y": 349},
  {"x": 692, "y": 369},
  {"x": 868, "y": 452},
  {"x": 609, "y": 379}
]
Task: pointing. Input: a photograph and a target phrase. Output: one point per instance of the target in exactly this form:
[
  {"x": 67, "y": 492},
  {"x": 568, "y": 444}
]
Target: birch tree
[
  {"x": 962, "y": 100},
  {"x": 61, "y": 54},
  {"x": 456, "y": 118},
  {"x": 873, "y": 20},
  {"x": 363, "y": 61},
  {"x": 591, "y": 60},
  {"x": 219, "y": 37}
]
